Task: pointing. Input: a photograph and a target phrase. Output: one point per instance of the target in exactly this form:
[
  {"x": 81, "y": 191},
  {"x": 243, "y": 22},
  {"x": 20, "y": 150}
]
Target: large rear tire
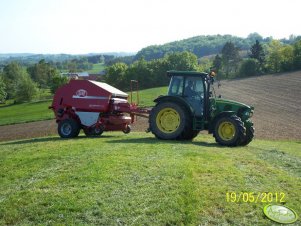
[
  {"x": 68, "y": 128},
  {"x": 169, "y": 121},
  {"x": 229, "y": 131},
  {"x": 248, "y": 137}
]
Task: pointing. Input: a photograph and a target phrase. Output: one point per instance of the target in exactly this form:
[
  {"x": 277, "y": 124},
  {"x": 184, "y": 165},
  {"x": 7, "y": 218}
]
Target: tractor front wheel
[
  {"x": 248, "y": 137},
  {"x": 229, "y": 131},
  {"x": 68, "y": 128}
]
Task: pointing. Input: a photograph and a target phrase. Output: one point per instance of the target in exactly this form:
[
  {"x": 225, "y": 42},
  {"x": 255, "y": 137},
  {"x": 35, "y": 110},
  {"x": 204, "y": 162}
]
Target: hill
[
  {"x": 203, "y": 45},
  {"x": 136, "y": 179}
]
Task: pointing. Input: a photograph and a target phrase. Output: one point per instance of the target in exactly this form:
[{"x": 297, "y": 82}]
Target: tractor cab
[{"x": 191, "y": 86}]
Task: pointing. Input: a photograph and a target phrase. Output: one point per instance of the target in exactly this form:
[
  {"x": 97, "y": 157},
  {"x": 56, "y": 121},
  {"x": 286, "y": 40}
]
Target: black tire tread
[
  {"x": 75, "y": 128},
  {"x": 248, "y": 137},
  {"x": 240, "y": 130}
]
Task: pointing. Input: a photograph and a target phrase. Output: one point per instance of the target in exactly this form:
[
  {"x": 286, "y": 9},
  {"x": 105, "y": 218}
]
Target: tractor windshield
[
  {"x": 191, "y": 88},
  {"x": 176, "y": 86}
]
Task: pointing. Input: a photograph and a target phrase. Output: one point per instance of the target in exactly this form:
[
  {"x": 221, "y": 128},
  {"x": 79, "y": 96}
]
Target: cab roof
[{"x": 186, "y": 73}]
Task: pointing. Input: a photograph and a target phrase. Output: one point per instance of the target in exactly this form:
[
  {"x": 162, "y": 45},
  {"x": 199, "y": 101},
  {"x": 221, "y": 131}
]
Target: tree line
[
  {"x": 230, "y": 62},
  {"x": 272, "y": 57},
  {"x": 23, "y": 84},
  {"x": 205, "y": 45}
]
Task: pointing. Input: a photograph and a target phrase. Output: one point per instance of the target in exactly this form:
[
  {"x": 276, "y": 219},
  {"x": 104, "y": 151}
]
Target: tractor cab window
[
  {"x": 176, "y": 86},
  {"x": 194, "y": 93}
]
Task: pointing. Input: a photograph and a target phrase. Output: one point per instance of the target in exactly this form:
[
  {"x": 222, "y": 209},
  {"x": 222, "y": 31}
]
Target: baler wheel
[
  {"x": 127, "y": 129},
  {"x": 94, "y": 131},
  {"x": 68, "y": 128},
  {"x": 229, "y": 131}
]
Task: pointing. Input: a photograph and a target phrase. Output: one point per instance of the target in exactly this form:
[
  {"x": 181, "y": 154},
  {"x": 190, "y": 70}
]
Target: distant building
[{"x": 85, "y": 75}]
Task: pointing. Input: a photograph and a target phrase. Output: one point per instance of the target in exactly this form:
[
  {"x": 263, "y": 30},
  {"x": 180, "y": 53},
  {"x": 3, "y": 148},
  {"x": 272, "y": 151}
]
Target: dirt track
[{"x": 276, "y": 98}]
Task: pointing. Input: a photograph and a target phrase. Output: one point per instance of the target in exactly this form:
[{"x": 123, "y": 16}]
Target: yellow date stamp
[{"x": 255, "y": 197}]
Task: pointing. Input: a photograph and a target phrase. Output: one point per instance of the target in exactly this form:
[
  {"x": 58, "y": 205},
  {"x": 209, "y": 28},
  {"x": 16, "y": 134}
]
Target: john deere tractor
[{"x": 190, "y": 107}]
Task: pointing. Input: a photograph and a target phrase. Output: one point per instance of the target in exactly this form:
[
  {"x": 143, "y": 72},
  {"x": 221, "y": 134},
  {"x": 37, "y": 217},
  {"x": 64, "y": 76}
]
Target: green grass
[
  {"x": 97, "y": 68},
  {"x": 136, "y": 179},
  {"x": 147, "y": 96},
  {"x": 26, "y": 112}
]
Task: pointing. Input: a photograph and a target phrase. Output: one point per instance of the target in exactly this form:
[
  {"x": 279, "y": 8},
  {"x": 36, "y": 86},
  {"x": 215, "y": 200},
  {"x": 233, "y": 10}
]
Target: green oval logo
[{"x": 280, "y": 214}]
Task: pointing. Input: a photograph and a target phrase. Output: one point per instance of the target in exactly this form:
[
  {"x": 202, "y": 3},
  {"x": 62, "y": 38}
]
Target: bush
[
  {"x": 249, "y": 67},
  {"x": 26, "y": 89},
  {"x": 57, "y": 81}
]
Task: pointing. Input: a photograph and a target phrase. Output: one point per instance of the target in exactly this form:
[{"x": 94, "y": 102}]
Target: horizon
[{"x": 79, "y": 27}]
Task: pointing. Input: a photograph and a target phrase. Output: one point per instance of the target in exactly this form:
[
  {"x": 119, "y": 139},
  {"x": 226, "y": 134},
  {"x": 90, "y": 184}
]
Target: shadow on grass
[
  {"x": 153, "y": 140},
  {"x": 46, "y": 139}
]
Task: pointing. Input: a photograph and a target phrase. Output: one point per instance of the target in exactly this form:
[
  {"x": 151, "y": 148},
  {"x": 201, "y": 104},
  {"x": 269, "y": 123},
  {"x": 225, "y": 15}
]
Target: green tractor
[{"x": 190, "y": 108}]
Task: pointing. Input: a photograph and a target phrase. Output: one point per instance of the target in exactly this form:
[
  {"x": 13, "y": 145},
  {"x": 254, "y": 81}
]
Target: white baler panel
[{"x": 87, "y": 118}]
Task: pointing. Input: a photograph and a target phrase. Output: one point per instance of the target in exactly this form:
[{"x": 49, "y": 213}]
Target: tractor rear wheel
[
  {"x": 68, "y": 128},
  {"x": 229, "y": 131},
  {"x": 248, "y": 137},
  {"x": 169, "y": 121}
]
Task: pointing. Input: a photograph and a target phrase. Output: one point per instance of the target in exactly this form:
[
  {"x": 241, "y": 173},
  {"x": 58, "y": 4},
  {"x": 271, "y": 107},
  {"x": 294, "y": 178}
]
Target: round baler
[{"x": 92, "y": 106}]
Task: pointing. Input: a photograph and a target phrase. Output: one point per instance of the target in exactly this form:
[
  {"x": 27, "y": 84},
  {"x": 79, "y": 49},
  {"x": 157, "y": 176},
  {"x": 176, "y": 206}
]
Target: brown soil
[{"x": 276, "y": 98}]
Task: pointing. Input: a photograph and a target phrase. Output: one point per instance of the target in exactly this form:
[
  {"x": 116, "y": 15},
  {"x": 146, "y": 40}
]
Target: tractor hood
[{"x": 230, "y": 105}]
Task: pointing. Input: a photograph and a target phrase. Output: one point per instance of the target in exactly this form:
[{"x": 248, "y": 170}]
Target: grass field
[
  {"x": 147, "y": 96},
  {"x": 97, "y": 68},
  {"x": 26, "y": 112},
  {"x": 136, "y": 179}
]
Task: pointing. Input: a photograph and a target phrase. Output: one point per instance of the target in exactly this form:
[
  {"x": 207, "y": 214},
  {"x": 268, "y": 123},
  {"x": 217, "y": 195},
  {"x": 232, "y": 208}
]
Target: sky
[{"x": 97, "y": 26}]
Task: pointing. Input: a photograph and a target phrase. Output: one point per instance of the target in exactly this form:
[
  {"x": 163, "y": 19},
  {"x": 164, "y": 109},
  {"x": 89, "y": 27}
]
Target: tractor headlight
[
  {"x": 251, "y": 114},
  {"x": 248, "y": 114}
]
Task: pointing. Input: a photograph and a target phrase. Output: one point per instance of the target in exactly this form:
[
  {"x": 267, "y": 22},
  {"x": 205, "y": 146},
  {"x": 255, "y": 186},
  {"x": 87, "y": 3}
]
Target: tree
[
  {"x": 11, "y": 75},
  {"x": 297, "y": 55},
  {"x": 287, "y": 61},
  {"x": 249, "y": 67},
  {"x": 230, "y": 58},
  {"x": 274, "y": 57},
  {"x": 3, "y": 93},
  {"x": 255, "y": 37},
  {"x": 217, "y": 63},
  {"x": 182, "y": 61},
  {"x": 26, "y": 89},
  {"x": 57, "y": 81},
  {"x": 257, "y": 53},
  {"x": 115, "y": 75},
  {"x": 42, "y": 73}
]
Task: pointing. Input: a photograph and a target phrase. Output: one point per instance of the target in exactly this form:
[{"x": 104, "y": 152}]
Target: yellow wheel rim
[
  {"x": 226, "y": 131},
  {"x": 168, "y": 120}
]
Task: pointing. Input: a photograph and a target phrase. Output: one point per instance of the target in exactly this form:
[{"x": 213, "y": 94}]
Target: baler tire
[
  {"x": 248, "y": 137},
  {"x": 225, "y": 136},
  {"x": 68, "y": 128},
  {"x": 93, "y": 133},
  {"x": 172, "y": 111},
  {"x": 127, "y": 130}
]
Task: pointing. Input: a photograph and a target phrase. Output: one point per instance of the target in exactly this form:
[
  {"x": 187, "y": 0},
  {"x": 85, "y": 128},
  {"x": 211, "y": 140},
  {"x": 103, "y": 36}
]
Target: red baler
[{"x": 94, "y": 107}]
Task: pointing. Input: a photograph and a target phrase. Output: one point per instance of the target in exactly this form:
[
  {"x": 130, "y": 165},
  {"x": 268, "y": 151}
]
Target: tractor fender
[
  {"x": 217, "y": 117},
  {"x": 175, "y": 99}
]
